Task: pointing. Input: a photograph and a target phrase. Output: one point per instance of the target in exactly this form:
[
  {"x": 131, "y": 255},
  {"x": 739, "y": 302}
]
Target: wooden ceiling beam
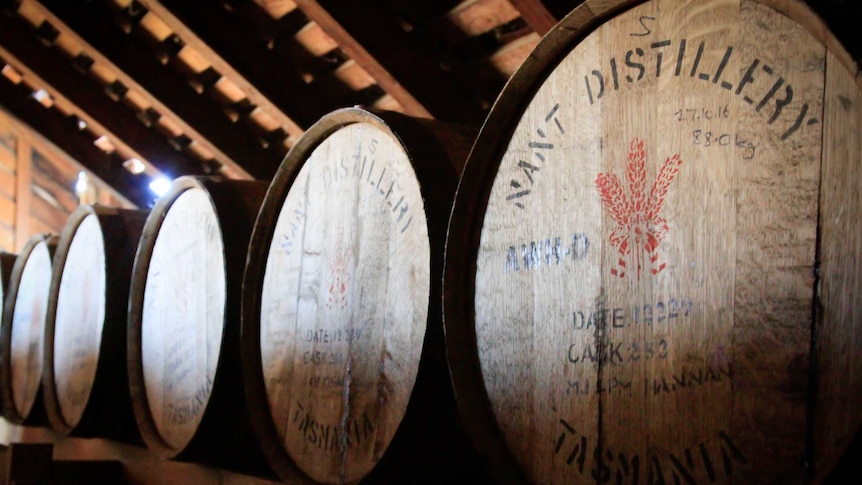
[
  {"x": 51, "y": 125},
  {"x": 535, "y": 14},
  {"x": 168, "y": 91},
  {"x": 394, "y": 59},
  {"x": 561, "y": 8},
  {"x": 268, "y": 81},
  {"x": 419, "y": 12},
  {"x": 265, "y": 27},
  {"x": 51, "y": 70}
]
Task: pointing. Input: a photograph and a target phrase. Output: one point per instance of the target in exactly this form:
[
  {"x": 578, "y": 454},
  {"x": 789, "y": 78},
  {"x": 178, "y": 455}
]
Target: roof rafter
[
  {"x": 165, "y": 89},
  {"x": 267, "y": 82},
  {"x": 394, "y": 59},
  {"x": 535, "y": 14},
  {"x": 51, "y": 125},
  {"x": 52, "y": 71}
]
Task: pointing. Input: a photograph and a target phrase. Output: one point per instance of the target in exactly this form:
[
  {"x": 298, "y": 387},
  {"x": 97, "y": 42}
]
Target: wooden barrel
[
  {"x": 184, "y": 317},
  {"x": 86, "y": 382},
  {"x": 22, "y": 333},
  {"x": 7, "y": 261},
  {"x": 341, "y": 292},
  {"x": 653, "y": 261}
]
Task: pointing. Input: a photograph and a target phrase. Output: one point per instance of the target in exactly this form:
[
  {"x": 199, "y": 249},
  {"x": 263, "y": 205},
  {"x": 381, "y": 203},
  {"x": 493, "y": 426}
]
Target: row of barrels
[
  {"x": 646, "y": 270},
  {"x": 135, "y": 325}
]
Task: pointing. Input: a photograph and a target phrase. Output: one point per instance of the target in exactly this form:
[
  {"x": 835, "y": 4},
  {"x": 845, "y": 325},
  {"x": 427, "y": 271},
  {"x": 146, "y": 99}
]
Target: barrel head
[
  {"x": 79, "y": 319},
  {"x": 24, "y": 329},
  {"x": 344, "y": 302},
  {"x": 645, "y": 298},
  {"x": 182, "y": 314}
]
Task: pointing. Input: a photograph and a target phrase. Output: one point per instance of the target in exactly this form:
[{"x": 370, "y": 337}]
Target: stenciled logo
[
  {"x": 339, "y": 267},
  {"x": 639, "y": 229}
]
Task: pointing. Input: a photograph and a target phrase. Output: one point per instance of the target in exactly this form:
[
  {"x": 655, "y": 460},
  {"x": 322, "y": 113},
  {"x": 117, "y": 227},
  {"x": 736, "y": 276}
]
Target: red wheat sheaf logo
[{"x": 639, "y": 229}]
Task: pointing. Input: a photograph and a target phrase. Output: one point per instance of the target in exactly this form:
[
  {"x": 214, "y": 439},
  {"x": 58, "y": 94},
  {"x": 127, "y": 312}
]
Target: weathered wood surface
[
  {"x": 653, "y": 258},
  {"x": 838, "y": 341},
  {"x": 80, "y": 318},
  {"x": 85, "y": 382},
  {"x": 183, "y": 316},
  {"x": 22, "y": 332},
  {"x": 361, "y": 302},
  {"x": 338, "y": 296},
  {"x": 184, "y": 305}
]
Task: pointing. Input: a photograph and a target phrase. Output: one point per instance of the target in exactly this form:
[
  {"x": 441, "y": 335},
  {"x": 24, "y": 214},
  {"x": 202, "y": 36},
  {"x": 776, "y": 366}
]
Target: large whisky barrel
[
  {"x": 653, "y": 261},
  {"x": 342, "y": 334},
  {"x": 22, "y": 333},
  {"x": 184, "y": 318},
  {"x": 85, "y": 380}
]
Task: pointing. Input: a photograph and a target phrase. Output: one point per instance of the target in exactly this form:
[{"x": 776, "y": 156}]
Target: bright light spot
[
  {"x": 82, "y": 184},
  {"x": 104, "y": 144},
  {"x": 134, "y": 165},
  {"x": 82, "y": 125},
  {"x": 160, "y": 186},
  {"x": 40, "y": 95},
  {"x": 43, "y": 98}
]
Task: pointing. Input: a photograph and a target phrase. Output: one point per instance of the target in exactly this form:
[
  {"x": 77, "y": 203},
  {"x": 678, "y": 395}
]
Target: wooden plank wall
[{"x": 37, "y": 185}]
